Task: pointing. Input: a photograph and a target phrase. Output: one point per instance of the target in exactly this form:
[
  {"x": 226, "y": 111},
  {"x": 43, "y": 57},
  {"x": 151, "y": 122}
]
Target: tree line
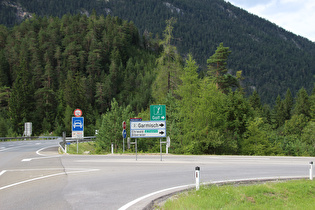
[
  {"x": 50, "y": 66},
  {"x": 210, "y": 113},
  {"x": 271, "y": 58}
]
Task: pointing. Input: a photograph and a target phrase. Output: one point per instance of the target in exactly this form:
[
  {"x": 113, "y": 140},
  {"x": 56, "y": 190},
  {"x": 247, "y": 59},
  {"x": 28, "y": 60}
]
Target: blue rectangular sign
[{"x": 77, "y": 123}]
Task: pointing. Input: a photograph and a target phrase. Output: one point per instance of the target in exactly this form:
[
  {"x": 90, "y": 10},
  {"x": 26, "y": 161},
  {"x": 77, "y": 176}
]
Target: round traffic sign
[
  {"x": 124, "y": 133},
  {"x": 77, "y": 113},
  {"x": 124, "y": 125}
]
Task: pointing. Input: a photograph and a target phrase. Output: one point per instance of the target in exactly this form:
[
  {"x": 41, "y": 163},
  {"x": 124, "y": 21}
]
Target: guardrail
[
  {"x": 28, "y": 138},
  {"x": 66, "y": 141}
]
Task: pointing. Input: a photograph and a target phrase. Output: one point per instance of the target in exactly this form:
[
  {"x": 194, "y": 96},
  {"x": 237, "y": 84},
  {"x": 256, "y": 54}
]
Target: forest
[
  {"x": 211, "y": 114},
  {"x": 50, "y": 66},
  {"x": 271, "y": 58}
]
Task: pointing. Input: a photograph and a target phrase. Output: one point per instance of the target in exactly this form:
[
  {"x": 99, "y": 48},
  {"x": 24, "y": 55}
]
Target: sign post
[
  {"x": 135, "y": 142},
  {"x": 124, "y": 134}
]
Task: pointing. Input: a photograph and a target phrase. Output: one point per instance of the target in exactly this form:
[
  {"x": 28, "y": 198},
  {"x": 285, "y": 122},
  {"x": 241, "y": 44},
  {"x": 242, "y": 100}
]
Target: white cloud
[{"x": 296, "y": 16}]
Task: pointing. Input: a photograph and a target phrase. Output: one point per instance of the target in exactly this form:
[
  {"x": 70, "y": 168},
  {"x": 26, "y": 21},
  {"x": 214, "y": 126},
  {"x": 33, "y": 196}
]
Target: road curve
[{"x": 34, "y": 176}]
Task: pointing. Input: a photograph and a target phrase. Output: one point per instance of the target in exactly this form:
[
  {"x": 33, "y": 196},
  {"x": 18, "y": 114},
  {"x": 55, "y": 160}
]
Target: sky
[{"x": 296, "y": 16}]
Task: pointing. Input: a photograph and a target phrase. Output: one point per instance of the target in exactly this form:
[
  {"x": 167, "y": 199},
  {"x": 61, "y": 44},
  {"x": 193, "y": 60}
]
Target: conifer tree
[
  {"x": 254, "y": 101},
  {"x": 288, "y": 103},
  {"x": 4, "y": 70},
  {"x": 217, "y": 65},
  {"x": 21, "y": 101},
  {"x": 302, "y": 104},
  {"x": 278, "y": 113},
  {"x": 168, "y": 65}
]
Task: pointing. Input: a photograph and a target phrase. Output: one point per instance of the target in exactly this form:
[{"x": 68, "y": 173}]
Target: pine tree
[
  {"x": 302, "y": 104},
  {"x": 188, "y": 92},
  {"x": 254, "y": 101},
  {"x": 4, "y": 70},
  {"x": 288, "y": 105},
  {"x": 21, "y": 101},
  {"x": 168, "y": 65},
  {"x": 217, "y": 65},
  {"x": 278, "y": 113}
]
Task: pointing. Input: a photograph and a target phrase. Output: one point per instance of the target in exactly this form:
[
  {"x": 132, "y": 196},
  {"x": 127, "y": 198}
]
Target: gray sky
[{"x": 296, "y": 16}]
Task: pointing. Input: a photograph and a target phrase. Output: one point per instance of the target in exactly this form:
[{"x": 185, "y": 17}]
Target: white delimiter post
[
  {"x": 197, "y": 175},
  {"x": 311, "y": 170}
]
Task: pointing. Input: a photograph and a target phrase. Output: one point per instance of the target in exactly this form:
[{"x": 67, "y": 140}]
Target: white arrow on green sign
[{"x": 157, "y": 112}]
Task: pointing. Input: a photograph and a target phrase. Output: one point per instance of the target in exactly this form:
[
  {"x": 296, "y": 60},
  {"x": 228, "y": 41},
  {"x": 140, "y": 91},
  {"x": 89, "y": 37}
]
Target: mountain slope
[{"x": 272, "y": 59}]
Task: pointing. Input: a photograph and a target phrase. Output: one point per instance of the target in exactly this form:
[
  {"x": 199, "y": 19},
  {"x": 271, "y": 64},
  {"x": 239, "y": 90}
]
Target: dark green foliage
[
  {"x": 302, "y": 104},
  {"x": 21, "y": 102},
  {"x": 272, "y": 59},
  {"x": 111, "y": 128},
  {"x": 52, "y": 66}
]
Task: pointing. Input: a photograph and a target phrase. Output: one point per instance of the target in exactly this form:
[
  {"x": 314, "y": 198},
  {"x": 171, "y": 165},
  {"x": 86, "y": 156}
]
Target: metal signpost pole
[
  {"x": 161, "y": 148},
  {"x": 124, "y": 134},
  {"x": 136, "y": 150},
  {"x": 132, "y": 136},
  {"x": 64, "y": 139}
]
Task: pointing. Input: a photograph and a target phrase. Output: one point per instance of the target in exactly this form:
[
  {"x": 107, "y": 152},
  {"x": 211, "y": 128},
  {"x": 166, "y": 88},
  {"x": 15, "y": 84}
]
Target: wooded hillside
[
  {"x": 272, "y": 59},
  {"x": 50, "y": 66}
]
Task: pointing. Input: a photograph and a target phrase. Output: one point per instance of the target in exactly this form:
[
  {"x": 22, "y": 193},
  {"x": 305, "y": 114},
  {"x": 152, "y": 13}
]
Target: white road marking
[
  {"x": 48, "y": 176},
  {"x": 2, "y": 172},
  {"x": 38, "y": 158},
  {"x": 151, "y": 194},
  {"x": 26, "y": 160},
  {"x": 126, "y": 206},
  {"x": 10, "y": 148},
  {"x": 38, "y": 151}
]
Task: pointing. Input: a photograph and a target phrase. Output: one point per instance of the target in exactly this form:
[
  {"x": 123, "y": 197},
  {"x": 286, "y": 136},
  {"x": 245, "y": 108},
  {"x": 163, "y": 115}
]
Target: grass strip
[
  {"x": 83, "y": 147},
  {"x": 296, "y": 194}
]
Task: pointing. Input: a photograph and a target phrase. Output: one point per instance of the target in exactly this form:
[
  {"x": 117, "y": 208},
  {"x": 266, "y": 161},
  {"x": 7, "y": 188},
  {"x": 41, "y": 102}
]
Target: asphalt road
[{"x": 34, "y": 176}]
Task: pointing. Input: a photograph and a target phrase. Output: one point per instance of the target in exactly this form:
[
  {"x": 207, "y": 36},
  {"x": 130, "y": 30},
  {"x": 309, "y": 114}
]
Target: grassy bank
[
  {"x": 89, "y": 148},
  {"x": 84, "y": 148},
  {"x": 297, "y": 194}
]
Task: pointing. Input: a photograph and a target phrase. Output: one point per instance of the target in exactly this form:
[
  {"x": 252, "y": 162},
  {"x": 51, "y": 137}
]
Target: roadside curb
[{"x": 158, "y": 200}]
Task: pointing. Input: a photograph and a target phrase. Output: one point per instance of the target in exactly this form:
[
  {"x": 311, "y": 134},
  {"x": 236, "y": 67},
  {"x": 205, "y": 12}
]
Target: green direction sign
[{"x": 157, "y": 112}]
